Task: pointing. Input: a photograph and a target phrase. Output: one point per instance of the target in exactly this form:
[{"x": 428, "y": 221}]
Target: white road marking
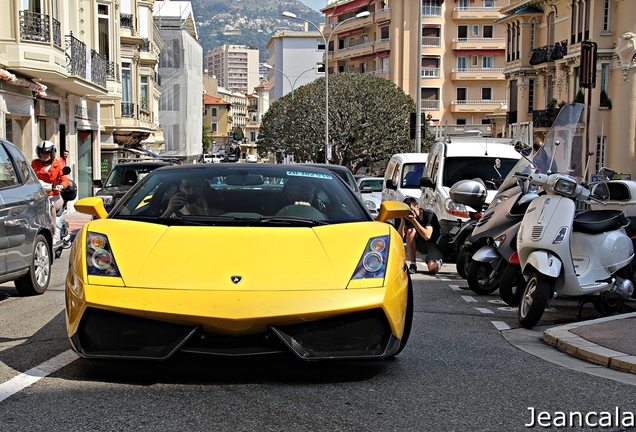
[
  {"x": 455, "y": 287},
  {"x": 443, "y": 278},
  {"x": 508, "y": 309},
  {"x": 500, "y": 325},
  {"x": 496, "y": 301},
  {"x": 485, "y": 311},
  {"x": 35, "y": 374},
  {"x": 469, "y": 299}
]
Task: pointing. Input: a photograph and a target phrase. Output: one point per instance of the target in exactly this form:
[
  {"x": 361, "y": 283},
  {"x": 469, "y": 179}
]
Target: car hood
[{"x": 264, "y": 258}]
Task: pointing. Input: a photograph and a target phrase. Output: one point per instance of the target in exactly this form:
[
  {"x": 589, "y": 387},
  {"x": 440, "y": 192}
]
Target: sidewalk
[
  {"x": 76, "y": 220},
  {"x": 609, "y": 341}
]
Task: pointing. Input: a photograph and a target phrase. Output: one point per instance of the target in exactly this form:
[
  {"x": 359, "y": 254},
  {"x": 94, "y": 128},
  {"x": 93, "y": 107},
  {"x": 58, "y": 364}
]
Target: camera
[{"x": 191, "y": 199}]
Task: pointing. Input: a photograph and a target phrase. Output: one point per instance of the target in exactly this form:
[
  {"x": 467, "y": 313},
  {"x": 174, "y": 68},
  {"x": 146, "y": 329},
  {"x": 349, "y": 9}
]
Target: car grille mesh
[
  {"x": 362, "y": 334},
  {"x": 109, "y": 334}
]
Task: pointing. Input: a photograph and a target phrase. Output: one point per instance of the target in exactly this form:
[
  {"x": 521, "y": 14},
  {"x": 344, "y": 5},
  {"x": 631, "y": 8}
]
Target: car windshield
[
  {"x": 126, "y": 175},
  {"x": 239, "y": 195},
  {"x": 374, "y": 184},
  {"x": 462, "y": 168},
  {"x": 411, "y": 175}
]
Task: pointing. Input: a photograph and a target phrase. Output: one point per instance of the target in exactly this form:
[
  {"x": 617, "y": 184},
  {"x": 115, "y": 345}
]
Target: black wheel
[
  {"x": 36, "y": 281},
  {"x": 607, "y": 306},
  {"x": 511, "y": 284},
  {"x": 534, "y": 299},
  {"x": 463, "y": 260},
  {"x": 408, "y": 319},
  {"x": 478, "y": 277}
]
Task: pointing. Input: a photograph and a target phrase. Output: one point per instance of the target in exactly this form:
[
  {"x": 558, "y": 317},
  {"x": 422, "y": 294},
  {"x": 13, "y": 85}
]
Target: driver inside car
[{"x": 190, "y": 200}]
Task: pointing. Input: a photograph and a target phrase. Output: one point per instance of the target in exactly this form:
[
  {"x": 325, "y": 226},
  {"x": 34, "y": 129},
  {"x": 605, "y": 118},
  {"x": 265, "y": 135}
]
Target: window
[
  {"x": 351, "y": 42},
  {"x": 460, "y": 121},
  {"x": 487, "y": 62},
  {"x": 604, "y": 76},
  {"x": 214, "y": 112},
  {"x": 8, "y": 177},
  {"x": 103, "y": 31},
  {"x": 384, "y": 63},
  {"x": 461, "y": 63},
  {"x": 144, "y": 21},
  {"x": 364, "y": 39},
  {"x": 486, "y": 93},
  {"x": 143, "y": 101},
  {"x": 489, "y": 31},
  {"x": 462, "y": 32},
  {"x": 462, "y": 93},
  {"x": 351, "y": 68},
  {"x": 533, "y": 31},
  {"x": 485, "y": 121},
  {"x": 126, "y": 88},
  {"x": 474, "y": 61},
  {"x": 384, "y": 32},
  {"x": 489, "y": 3},
  {"x": 475, "y": 30},
  {"x": 321, "y": 45},
  {"x": 464, "y": 4},
  {"x": 606, "y": 15},
  {"x": 14, "y": 128},
  {"x": 530, "y": 96},
  {"x": 601, "y": 143},
  {"x": 363, "y": 67}
]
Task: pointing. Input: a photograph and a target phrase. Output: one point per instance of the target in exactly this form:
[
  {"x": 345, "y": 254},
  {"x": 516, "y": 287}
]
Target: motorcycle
[
  {"x": 62, "y": 239},
  {"x": 585, "y": 255}
]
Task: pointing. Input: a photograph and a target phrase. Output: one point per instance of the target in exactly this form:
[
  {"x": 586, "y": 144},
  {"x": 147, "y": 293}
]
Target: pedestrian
[
  {"x": 421, "y": 228},
  {"x": 64, "y": 158}
]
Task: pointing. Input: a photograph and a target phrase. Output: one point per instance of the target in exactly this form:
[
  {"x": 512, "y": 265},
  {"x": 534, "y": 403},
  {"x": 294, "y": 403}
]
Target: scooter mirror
[{"x": 600, "y": 191}]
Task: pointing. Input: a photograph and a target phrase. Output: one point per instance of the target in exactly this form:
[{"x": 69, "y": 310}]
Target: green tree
[
  {"x": 207, "y": 139},
  {"x": 368, "y": 121}
]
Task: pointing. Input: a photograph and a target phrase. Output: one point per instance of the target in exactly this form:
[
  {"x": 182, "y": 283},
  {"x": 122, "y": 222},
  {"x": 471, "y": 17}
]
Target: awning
[
  {"x": 39, "y": 89},
  {"x": 384, "y": 23},
  {"x": 350, "y": 7},
  {"x": 362, "y": 58},
  {"x": 431, "y": 56},
  {"x": 431, "y": 25},
  {"x": 466, "y": 52}
]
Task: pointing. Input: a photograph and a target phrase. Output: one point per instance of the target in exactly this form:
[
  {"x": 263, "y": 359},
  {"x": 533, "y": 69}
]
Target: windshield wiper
[{"x": 291, "y": 220}]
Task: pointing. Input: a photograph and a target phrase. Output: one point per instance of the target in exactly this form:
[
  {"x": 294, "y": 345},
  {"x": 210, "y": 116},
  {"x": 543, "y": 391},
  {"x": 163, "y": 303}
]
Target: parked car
[
  {"x": 252, "y": 158},
  {"x": 336, "y": 299},
  {"x": 26, "y": 231},
  {"x": 371, "y": 191},
  {"x": 402, "y": 176},
  {"x": 123, "y": 176},
  {"x": 343, "y": 172}
]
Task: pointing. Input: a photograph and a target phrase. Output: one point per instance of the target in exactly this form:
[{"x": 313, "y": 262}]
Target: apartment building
[
  {"x": 293, "y": 60},
  {"x": 457, "y": 67},
  {"x": 216, "y": 120},
  {"x": 234, "y": 66},
  {"x": 129, "y": 116},
  {"x": 543, "y": 68}
]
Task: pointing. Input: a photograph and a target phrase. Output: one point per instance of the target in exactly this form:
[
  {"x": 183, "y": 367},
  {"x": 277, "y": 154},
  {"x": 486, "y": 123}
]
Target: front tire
[
  {"x": 36, "y": 281},
  {"x": 534, "y": 299},
  {"x": 463, "y": 261},
  {"x": 511, "y": 284},
  {"x": 478, "y": 276}
]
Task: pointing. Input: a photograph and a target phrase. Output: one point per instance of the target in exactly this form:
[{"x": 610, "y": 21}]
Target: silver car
[{"x": 26, "y": 228}]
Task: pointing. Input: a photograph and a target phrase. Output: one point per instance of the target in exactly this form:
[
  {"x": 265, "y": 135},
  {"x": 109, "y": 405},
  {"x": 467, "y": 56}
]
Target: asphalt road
[{"x": 466, "y": 368}]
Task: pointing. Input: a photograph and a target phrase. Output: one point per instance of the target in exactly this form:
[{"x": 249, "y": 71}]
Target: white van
[
  {"x": 464, "y": 158},
  {"x": 402, "y": 176}
]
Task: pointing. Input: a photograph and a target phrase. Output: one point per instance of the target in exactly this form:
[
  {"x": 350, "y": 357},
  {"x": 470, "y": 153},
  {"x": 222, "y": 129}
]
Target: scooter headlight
[
  {"x": 565, "y": 186},
  {"x": 498, "y": 241}
]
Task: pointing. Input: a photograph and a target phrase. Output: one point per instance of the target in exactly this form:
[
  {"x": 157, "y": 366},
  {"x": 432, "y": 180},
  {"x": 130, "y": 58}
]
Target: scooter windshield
[{"x": 573, "y": 135}]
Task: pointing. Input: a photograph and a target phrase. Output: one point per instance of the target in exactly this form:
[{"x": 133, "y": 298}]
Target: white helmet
[{"x": 46, "y": 146}]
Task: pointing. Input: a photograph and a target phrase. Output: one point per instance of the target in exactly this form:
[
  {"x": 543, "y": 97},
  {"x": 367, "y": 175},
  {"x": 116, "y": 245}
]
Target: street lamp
[
  {"x": 265, "y": 65},
  {"x": 326, "y": 41}
]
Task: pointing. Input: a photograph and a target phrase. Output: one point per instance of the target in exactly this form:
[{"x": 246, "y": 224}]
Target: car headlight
[
  {"x": 108, "y": 200},
  {"x": 99, "y": 256},
  {"x": 565, "y": 186},
  {"x": 372, "y": 264},
  {"x": 370, "y": 205}
]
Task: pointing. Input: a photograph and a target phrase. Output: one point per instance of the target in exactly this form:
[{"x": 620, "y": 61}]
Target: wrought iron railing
[
  {"x": 112, "y": 71},
  {"x": 57, "y": 32},
  {"x": 126, "y": 20},
  {"x": 34, "y": 27},
  {"x": 145, "y": 46},
  {"x": 85, "y": 64},
  {"x": 549, "y": 53},
  {"x": 544, "y": 118},
  {"x": 128, "y": 109}
]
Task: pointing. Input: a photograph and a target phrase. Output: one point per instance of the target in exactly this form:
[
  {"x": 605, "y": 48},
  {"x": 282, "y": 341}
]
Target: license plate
[{"x": 454, "y": 230}]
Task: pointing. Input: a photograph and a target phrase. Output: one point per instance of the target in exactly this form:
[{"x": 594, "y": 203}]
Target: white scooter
[
  {"x": 62, "y": 238},
  {"x": 562, "y": 252}
]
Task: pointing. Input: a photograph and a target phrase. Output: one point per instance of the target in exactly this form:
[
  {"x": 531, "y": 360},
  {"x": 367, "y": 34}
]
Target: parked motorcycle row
[{"x": 553, "y": 230}]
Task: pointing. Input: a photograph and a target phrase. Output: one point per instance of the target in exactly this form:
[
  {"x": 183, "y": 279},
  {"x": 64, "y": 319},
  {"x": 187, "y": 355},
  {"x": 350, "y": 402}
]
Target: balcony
[
  {"x": 478, "y": 43},
  {"x": 489, "y": 13},
  {"x": 484, "y": 105},
  {"x": 430, "y": 104},
  {"x": 430, "y": 72},
  {"x": 85, "y": 64},
  {"x": 431, "y": 41},
  {"x": 382, "y": 15},
  {"x": 382, "y": 45},
  {"x": 36, "y": 27},
  {"x": 549, "y": 53},
  {"x": 481, "y": 74},
  {"x": 126, "y": 21},
  {"x": 544, "y": 118},
  {"x": 431, "y": 11},
  {"x": 354, "y": 51}
]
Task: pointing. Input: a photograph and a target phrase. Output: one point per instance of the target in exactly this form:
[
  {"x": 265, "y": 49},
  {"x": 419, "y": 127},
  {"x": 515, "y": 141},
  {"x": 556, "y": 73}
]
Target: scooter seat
[{"x": 599, "y": 221}]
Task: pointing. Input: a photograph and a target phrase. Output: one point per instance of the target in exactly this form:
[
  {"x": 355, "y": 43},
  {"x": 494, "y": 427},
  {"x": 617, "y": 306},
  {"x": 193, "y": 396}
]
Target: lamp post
[
  {"x": 326, "y": 41},
  {"x": 293, "y": 85}
]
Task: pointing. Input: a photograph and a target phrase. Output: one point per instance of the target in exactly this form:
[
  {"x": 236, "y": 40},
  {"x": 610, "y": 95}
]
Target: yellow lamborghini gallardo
[{"x": 238, "y": 259}]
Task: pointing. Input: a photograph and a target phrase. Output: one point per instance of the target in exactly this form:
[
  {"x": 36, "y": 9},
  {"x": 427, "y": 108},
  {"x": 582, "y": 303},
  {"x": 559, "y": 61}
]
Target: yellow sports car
[{"x": 238, "y": 259}]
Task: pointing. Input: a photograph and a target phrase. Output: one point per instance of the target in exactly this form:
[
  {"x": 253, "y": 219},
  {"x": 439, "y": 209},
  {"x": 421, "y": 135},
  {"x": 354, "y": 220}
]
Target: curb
[{"x": 574, "y": 345}]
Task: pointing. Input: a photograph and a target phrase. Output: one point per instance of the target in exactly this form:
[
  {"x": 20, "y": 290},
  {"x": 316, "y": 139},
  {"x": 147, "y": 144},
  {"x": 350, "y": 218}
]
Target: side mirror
[
  {"x": 66, "y": 170},
  {"x": 427, "y": 182},
  {"x": 389, "y": 184},
  {"x": 366, "y": 189},
  {"x": 98, "y": 184}
]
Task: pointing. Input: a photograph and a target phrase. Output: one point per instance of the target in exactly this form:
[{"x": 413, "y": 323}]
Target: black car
[
  {"x": 123, "y": 176},
  {"x": 343, "y": 172},
  {"x": 26, "y": 228}
]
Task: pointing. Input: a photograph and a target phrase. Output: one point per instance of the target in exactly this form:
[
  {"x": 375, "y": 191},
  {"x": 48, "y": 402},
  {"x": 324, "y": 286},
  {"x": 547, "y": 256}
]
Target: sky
[{"x": 314, "y": 4}]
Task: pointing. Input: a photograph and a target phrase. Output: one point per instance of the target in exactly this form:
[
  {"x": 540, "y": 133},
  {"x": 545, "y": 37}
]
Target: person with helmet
[{"x": 49, "y": 170}]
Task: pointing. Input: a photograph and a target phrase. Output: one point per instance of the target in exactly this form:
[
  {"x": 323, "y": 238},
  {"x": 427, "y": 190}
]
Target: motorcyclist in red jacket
[{"x": 49, "y": 169}]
